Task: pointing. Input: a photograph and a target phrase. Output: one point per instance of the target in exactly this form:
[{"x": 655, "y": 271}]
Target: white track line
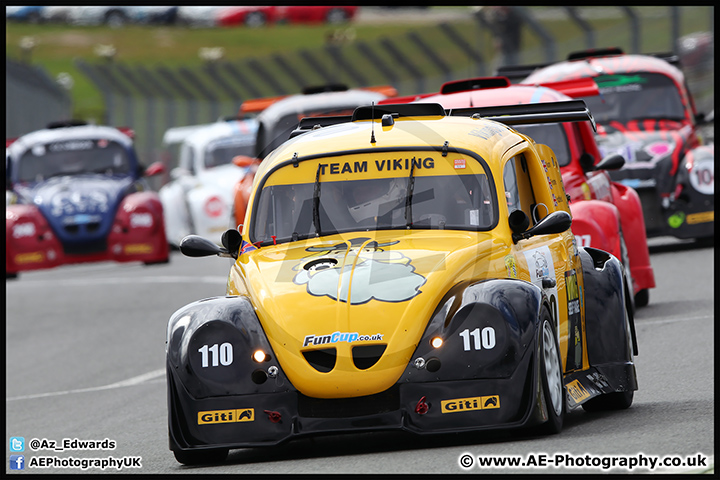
[
  {"x": 658, "y": 321},
  {"x": 124, "y": 383}
]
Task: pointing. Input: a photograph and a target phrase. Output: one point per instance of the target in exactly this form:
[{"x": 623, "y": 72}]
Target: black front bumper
[
  {"x": 690, "y": 216},
  {"x": 241, "y": 421}
]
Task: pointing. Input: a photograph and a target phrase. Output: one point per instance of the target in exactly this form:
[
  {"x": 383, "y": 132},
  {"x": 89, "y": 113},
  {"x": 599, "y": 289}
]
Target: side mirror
[
  {"x": 231, "y": 240},
  {"x": 587, "y": 162},
  {"x": 518, "y": 221},
  {"x": 705, "y": 118},
  {"x": 197, "y": 246},
  {"x": 556, "y": 222},
  {"x": 613, "y": 161},
  {"x": 155, "y": 168}
]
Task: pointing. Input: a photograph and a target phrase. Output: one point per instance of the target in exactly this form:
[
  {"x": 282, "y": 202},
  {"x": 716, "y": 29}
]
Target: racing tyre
[
  {"x": 336, "y": 16},
  {"x": 201, "y": 457},
  {"x": 552, "y": 378},
  {"x": 255, "y": 19},
  {"x": 115, "y": 19},
  {"x": 642, "y": 298}
]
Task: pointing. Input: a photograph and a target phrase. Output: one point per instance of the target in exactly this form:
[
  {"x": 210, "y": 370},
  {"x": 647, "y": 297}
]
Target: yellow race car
[{"x": 403, "y": 267}]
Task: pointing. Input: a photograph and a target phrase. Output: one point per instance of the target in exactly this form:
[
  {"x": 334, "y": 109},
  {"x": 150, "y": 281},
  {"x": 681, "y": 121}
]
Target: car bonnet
[{"x": 355, "y": 290}]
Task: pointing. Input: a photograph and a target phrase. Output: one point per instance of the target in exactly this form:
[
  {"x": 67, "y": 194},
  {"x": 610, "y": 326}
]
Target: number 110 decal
[
  {"x": 222, "y": 356},
  {"x": 481, "y": 339}
]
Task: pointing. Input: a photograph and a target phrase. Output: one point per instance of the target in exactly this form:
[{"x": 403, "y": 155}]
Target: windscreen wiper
[
  {"x": 409, "y": 195},
  {"x": 316, "y": 202}
]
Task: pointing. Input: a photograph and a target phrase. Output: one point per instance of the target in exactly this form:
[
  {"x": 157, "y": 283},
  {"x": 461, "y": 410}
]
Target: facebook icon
[{"x": 17, "y": 462}]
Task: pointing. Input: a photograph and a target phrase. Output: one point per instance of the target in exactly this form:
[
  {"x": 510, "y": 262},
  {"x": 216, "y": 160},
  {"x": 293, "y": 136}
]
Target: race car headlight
[
  {"x": 436, "y": 342},
  {"x": 260, "y": 356}
]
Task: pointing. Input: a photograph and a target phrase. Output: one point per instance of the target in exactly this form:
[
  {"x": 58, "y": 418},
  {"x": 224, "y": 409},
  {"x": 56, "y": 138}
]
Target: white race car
[{"x": 198, "y": 198}]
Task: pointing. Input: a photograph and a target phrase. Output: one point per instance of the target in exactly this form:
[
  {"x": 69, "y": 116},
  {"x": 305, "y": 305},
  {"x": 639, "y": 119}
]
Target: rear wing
[
  {"x": 550, "y": 112},
  {"x": 579, "y": 87},
  {"x": 516, "y": 73},
  {"x": 669, "y": 57},
  {"x": 405, "y": 99},
  {"x": 523, "y": 114}
]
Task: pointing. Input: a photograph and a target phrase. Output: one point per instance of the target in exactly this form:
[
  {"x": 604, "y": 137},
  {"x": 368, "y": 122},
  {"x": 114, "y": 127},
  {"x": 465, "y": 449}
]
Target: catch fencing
[{"x": 32, "y": 99}]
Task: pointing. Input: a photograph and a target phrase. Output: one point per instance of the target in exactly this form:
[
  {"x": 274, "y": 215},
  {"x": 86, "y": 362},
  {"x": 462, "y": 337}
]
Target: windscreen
[
  {"x": 73, "y": 157},
  {"x": 418, "y": 199},
  {"x": 635, "y": 96},
  {"x": 223, "y": 152}
]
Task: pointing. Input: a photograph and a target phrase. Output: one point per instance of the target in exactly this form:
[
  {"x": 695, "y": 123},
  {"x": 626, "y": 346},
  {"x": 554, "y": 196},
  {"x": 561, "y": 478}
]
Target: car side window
[{"x": 518, "y": 188}]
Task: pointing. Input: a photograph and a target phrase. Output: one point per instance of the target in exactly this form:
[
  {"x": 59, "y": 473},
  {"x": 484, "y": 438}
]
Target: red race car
[
  {"x": 606, "y": 215},
  {"x": 645, "y": 112},
  {"x": 76, "y": 193},
  {"x": 316, "y": 14},
  {"x": 249, "y": 16}
]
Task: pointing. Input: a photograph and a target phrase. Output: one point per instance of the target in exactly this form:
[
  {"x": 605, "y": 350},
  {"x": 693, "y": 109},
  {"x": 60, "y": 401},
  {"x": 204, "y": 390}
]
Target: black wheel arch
[{"x": 606, "y": 293}]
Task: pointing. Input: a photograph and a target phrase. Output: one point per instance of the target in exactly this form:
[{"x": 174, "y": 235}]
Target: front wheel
[
  {"x": 551, "y": 378},
  {"x": 201, "y": 457},
  {"x": 255, "y": 19}
]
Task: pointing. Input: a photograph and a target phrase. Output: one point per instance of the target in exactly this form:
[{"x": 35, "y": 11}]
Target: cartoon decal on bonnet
[{"x": 364, "y": 269}]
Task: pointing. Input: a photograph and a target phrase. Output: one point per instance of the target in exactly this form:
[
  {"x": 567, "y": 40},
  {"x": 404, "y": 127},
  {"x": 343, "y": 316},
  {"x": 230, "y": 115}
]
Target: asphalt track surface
[{"x": 85, "y": 361}]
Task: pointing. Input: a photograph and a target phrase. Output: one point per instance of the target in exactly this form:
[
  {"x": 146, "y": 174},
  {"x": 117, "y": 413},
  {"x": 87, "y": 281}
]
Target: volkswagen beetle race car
[
  {"x": 199, "y": 197},
  {"x": 606, "y": 215},
  {"x": 408, "y": 268},
  {"x": 76, "y": 193},
  {"x": 646, "y": 113}
]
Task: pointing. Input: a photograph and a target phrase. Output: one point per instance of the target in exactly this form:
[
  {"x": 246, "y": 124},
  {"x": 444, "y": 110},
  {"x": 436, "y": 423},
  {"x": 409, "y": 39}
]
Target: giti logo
[
  {"x": 577, "y": 391},
  {"x": 226, "y": 416},
  {"x": 466, "y": 404}
]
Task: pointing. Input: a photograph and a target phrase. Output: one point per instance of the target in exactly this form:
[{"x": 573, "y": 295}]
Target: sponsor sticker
[
  {"x": 511, "y": 266},
  {"x": 214, "y": 206},
  {"x": 226, "y": 416},
  {"x": 467, "y": 404},
  {"x": 676, "y": 220},
  {"x": 32, "y": 257},
  {"x": 336, "y": 337},
  {"x": 135, "y": 248},
  {"x": 577, "y": 392},
  {"x": 459, "y": 163},
  {"x": 702, "y": 217}
]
